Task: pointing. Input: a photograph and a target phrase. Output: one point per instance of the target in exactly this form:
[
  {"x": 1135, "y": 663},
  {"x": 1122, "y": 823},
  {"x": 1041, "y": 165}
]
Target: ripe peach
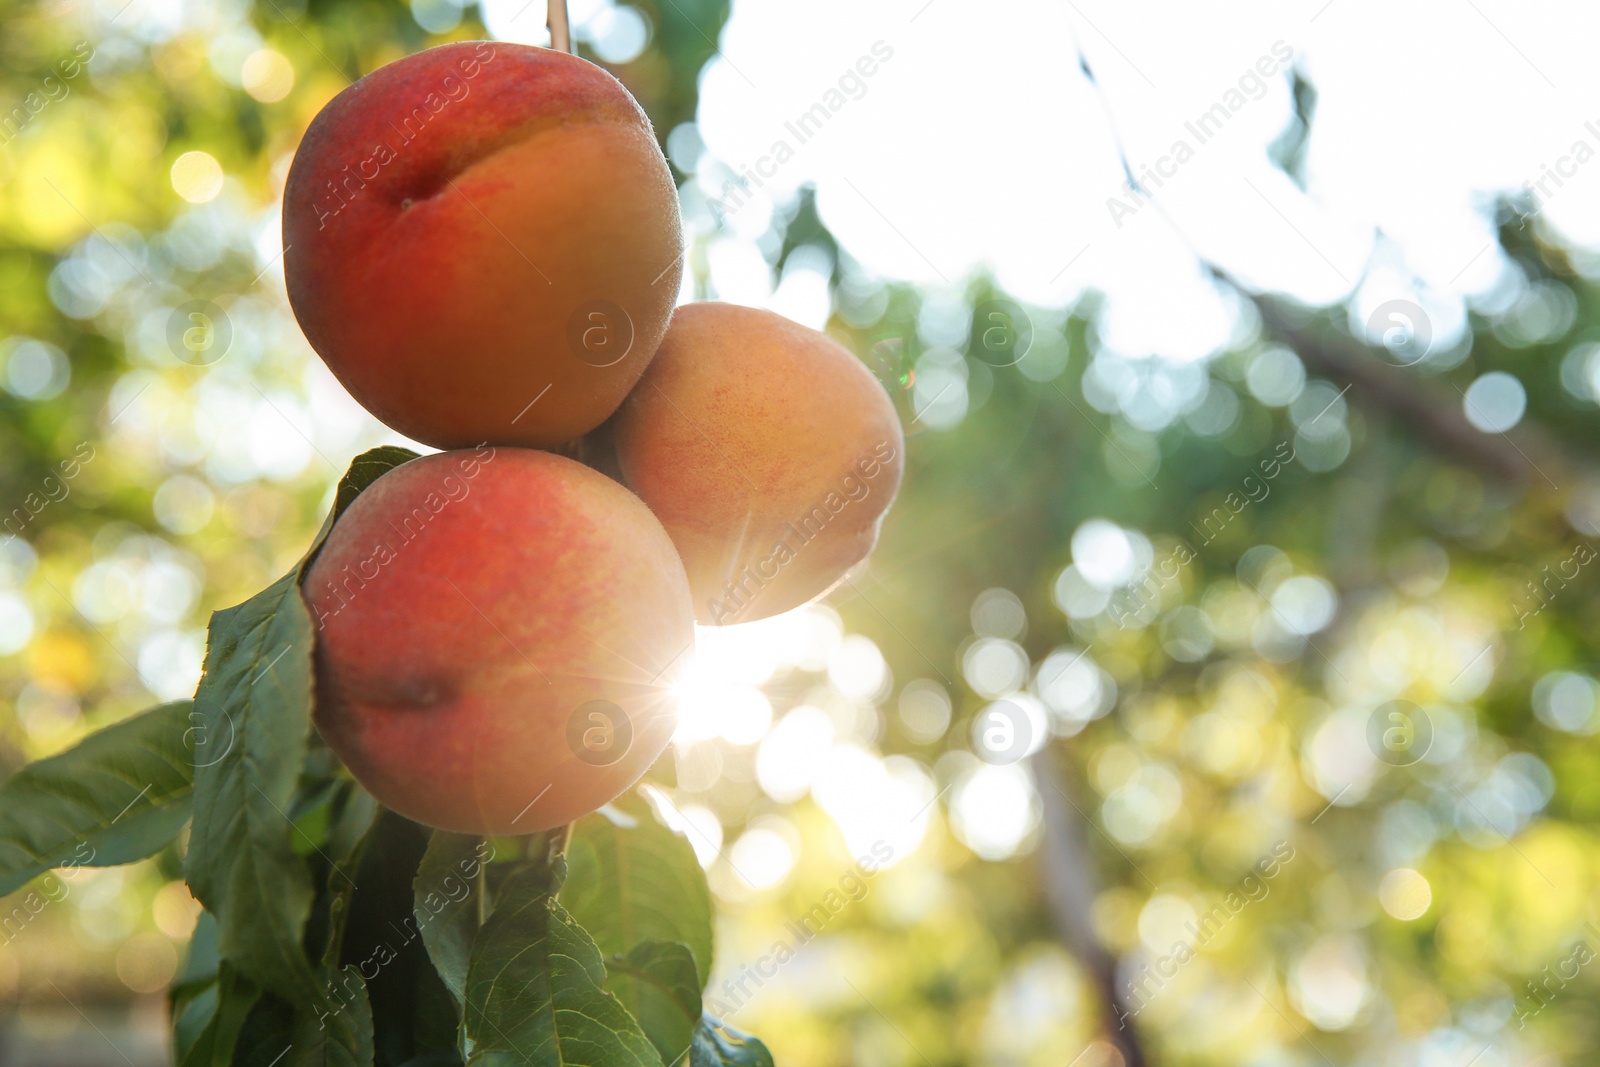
[
  {"x": 767, "y": 450},
  {"x": 482, "y": 241},
  {"x": 496, "y": 631}
]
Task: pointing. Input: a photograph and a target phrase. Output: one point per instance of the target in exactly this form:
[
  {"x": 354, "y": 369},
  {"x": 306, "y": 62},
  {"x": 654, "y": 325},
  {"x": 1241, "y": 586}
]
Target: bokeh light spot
[
  {"x": 1405, "y": 894},
  {"x": 197, "y": 177}
]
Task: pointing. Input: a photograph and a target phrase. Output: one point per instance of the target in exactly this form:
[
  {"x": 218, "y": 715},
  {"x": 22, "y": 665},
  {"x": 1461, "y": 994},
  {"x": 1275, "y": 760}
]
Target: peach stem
[{"x": 560, "y": 31}]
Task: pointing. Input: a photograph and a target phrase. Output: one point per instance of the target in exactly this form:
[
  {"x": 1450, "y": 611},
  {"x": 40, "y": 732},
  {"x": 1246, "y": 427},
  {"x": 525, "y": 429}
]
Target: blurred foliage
[{"x": 1198, "y": 721}]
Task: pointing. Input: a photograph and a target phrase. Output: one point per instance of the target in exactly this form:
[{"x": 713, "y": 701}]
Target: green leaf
[
  {"x": 716, "y": 1044},
  {"x": 200, "y": 961},
  {"x": 658, "y": 983},
  {"x": 354, "y": 816},
  {"x": 410, "y": 1009},
  {"x": 631, "y": 879},
  {"x": 191, "y": 1018},
  {"x": 280, "y": 1034},
  {"x": 332, "y": 1029},
  {"x": 535, "y": 995},
  {"x": 335, "y": 1028},
  {"x": 118, "y": 796},
  {"x": 268, "y": 1035},
  {"x": 241, "y": 864},
  {"x": 229, "y": 1006},
  {"x": 256, "y": 692},
  {"x": 339, "y": 1032},
  {"x": 435, "y": 1019},
  {"x": 193, "y": 996},
  {"x": 364, "y": 470},
  {"x": 446, "y": 904}
]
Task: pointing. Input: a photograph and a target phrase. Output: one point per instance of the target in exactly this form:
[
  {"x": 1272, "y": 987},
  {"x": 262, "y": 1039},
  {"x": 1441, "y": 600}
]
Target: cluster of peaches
[{"x": 482, "y": 241}]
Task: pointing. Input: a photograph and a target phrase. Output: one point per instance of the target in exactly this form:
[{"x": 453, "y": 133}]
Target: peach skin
[
  {"x": 496, "y": 633},
  {"x": 767, "y": 450},
  {"x": 482, "y": 242}
]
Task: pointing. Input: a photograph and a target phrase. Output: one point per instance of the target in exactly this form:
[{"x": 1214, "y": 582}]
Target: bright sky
[{"x": 978, "y": 143}]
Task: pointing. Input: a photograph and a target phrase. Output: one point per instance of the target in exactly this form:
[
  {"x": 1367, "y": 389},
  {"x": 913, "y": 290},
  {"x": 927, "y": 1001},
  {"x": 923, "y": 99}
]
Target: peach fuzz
[
  {"x": 769, "y": 453},
  {"x": 474, "y": 611},
  {"x": 482, "y": 242}
]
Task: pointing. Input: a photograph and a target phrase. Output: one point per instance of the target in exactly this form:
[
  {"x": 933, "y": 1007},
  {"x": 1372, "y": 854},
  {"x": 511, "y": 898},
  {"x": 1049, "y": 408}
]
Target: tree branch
[
  {"x": 1070, "y": 891},
  {"x": 1526, "y": 457}
]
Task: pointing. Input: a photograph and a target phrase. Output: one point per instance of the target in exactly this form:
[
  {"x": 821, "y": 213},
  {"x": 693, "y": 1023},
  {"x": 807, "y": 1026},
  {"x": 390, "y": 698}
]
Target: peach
[
  {"x": 496, "y": 632},
  {"x": 482, "y": 242},
  {"x": 767, "y": 450}
]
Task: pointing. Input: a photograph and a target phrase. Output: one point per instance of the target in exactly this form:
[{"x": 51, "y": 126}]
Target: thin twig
[
  {"x": 560, "y": 29},
  {"x": 483, "y": 892},
  {"x": 1070, "y": 890}
]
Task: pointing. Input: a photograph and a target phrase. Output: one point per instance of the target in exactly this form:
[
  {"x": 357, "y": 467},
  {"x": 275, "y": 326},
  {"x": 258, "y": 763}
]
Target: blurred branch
[
  {"x": 1070, "y": 890},
  {"x": 1359, "y": 507},
  {"x": 1527, "y": 456}
]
